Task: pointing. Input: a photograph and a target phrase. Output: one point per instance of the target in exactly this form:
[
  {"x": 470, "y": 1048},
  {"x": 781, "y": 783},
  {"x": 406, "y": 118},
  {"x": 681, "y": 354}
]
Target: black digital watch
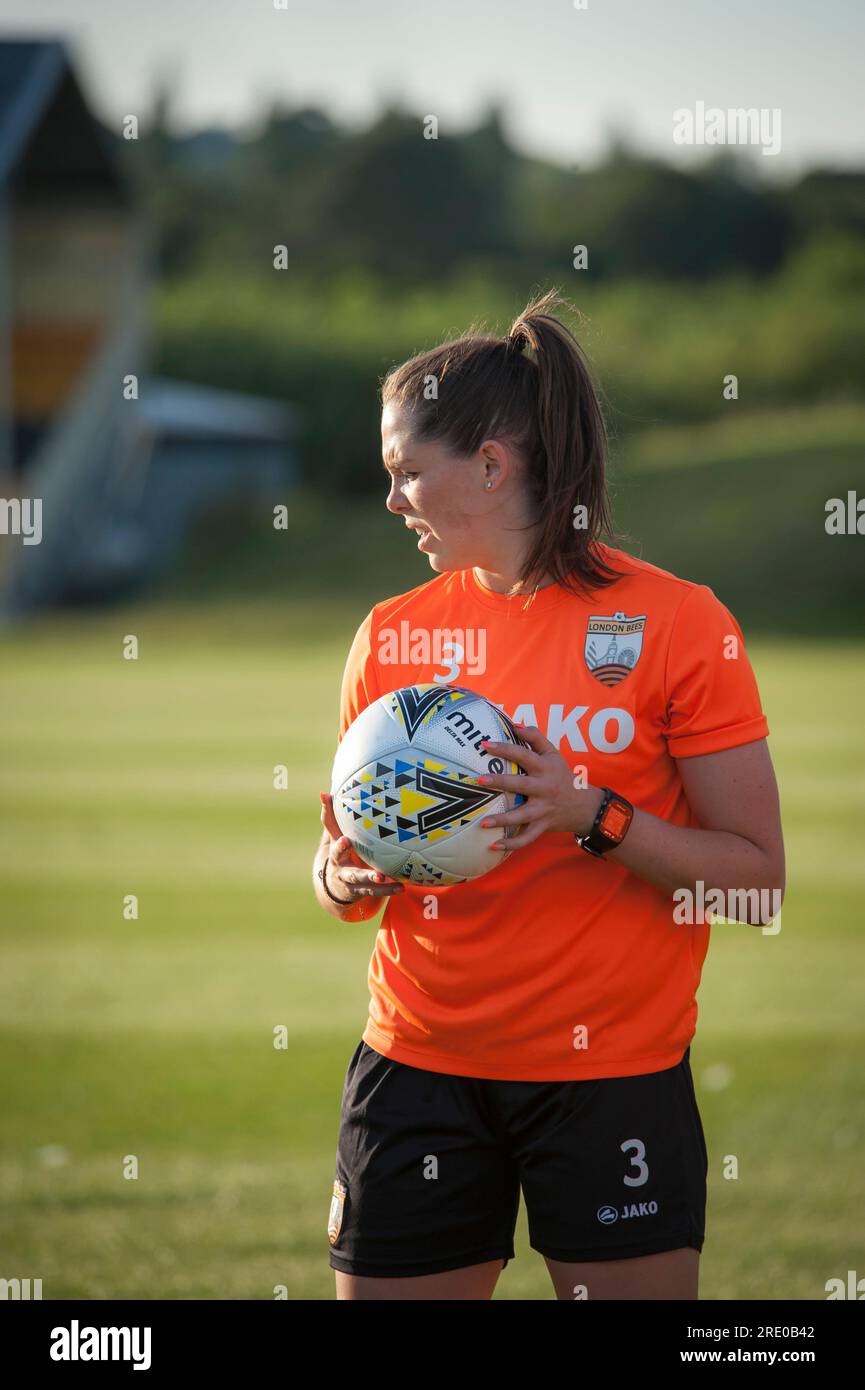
[{"x": 610, "y": 826}]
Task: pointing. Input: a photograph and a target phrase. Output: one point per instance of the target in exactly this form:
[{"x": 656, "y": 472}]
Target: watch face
[{"x": 615, "y": 820}]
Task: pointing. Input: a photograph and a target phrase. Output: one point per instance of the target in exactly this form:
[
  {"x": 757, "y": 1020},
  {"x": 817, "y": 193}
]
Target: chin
[{"x": 437, "y": 562}]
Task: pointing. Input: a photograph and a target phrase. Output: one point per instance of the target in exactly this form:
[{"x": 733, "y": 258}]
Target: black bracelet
[{"x": 343, "y": 902}]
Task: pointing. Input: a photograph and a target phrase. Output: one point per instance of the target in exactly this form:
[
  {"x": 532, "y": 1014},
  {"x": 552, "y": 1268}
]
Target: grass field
[{"x": 154, "y": 1037}]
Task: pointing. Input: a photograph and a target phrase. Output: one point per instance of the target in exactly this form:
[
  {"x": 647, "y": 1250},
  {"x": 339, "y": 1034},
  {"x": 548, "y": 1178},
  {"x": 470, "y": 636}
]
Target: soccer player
[{"x": 530, "y": 1030}]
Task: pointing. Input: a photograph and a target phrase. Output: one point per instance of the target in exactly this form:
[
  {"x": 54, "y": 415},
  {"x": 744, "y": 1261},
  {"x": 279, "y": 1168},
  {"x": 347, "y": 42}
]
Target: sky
[{"x": 567, "y": 76}]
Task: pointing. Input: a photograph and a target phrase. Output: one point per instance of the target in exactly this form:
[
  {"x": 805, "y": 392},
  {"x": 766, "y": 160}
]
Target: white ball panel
[{"x": 373, "y": 729}]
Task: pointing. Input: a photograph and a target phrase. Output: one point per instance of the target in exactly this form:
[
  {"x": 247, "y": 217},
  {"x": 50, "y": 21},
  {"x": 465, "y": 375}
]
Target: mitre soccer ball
[{"x": 404, "y": 788}]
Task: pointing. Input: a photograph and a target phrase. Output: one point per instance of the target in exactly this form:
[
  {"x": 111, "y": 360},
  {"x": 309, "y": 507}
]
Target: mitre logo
[{"x": 613, "y": 646}]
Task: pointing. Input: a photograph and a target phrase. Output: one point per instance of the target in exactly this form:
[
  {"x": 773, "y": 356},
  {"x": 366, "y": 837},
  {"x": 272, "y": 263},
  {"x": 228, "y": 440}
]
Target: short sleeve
[
  {"x": 712, "y": 698},
  {"x": 360, "y": 686}
]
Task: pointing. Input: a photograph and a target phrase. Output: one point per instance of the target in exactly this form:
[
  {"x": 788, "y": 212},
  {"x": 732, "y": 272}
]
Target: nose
[{"x": 395, "y": 503}]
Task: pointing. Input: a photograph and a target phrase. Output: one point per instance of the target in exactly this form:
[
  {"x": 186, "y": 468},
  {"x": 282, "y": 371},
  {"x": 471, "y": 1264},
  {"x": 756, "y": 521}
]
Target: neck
[{"x": 501, "y": 582}]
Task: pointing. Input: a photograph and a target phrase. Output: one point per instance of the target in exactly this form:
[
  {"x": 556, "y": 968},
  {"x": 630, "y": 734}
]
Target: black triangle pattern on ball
[
  {"x": 453, "y": 800},
  {"x": 416, "y": 703}
]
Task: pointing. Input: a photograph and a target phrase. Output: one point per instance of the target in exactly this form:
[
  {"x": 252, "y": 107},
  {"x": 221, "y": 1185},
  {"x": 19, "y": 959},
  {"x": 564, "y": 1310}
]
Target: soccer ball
[{"x": 404, "y": 788}]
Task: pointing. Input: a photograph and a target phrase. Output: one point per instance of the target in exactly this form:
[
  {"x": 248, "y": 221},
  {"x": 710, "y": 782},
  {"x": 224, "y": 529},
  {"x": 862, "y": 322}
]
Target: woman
[{"x": 530, "y": 1030}]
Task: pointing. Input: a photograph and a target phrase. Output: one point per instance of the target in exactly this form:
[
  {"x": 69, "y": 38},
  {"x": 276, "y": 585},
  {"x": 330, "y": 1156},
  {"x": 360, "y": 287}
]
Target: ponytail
[{"x": 546, "y": 407}]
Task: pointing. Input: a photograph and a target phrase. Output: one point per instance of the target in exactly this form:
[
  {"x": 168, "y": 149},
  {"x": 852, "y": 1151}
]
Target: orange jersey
[{"x": 556, "y": 966}]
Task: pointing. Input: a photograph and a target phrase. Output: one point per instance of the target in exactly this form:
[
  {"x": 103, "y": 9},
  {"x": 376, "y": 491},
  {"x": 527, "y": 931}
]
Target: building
[{"x": 118, "y": 464}]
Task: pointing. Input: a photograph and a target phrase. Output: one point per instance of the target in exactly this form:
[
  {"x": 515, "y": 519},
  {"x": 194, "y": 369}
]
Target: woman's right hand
[{"x": 347, "y": 875}]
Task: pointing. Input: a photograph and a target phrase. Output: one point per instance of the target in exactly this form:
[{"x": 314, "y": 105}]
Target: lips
[{"x": 423, "y": 532}]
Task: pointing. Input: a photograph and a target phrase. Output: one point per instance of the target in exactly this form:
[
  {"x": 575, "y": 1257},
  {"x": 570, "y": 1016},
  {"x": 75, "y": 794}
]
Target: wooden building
[{"x": 75, "y": 267}]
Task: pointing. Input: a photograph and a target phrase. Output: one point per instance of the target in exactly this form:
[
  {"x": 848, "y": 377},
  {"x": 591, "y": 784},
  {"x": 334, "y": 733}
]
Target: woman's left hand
[{"x": 554, "y": 801}]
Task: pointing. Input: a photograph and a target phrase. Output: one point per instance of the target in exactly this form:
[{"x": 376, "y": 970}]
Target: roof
[
  {"x": 36, "y": 80},
  {"x": 30, "y": 72},
  {"x": 183, "y": 409}
]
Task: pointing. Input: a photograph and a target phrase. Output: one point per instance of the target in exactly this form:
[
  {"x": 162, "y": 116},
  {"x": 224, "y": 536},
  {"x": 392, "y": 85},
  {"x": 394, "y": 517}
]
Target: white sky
[{"x": 566, "y": 75}]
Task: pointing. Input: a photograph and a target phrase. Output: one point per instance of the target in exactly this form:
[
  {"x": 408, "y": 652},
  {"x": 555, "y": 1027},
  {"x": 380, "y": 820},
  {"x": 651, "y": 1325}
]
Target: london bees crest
[{"x": 613, "y": 646}]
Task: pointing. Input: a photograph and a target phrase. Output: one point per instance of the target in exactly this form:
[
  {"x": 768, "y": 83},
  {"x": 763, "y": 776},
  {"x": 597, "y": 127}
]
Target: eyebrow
[{"x": 388, "y": 466}]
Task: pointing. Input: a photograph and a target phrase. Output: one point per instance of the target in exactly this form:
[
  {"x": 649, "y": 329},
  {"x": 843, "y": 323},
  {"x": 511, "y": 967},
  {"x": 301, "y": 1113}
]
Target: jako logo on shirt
[{"x": 609, "y": 730}]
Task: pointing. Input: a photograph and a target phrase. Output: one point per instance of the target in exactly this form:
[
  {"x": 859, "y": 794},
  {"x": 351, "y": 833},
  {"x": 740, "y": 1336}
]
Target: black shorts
[{"x": 429, "y": 1167}]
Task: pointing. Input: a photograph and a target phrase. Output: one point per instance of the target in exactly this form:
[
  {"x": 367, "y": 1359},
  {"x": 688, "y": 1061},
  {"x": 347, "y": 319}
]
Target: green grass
[{"x": 154, "y": 1037}]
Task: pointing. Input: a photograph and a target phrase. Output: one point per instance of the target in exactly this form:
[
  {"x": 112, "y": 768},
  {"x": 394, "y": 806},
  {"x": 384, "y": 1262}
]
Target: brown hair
[{"x": 546, "y": 408}]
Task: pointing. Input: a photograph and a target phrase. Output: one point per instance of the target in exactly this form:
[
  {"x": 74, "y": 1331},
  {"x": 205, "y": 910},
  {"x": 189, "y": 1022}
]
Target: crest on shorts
[
  {"x": 337, "y": 1205},
  {"x": 613, "y": 646}
]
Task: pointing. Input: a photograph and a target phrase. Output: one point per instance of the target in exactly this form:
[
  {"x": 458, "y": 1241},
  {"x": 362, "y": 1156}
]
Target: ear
[{"x": 496, "y": 461}]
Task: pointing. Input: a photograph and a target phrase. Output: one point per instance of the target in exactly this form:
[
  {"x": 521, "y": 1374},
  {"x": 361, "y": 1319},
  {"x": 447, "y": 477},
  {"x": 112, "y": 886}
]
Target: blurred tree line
[
  {"x": 396, "y": 242},
  {"x": 395, "y": 203}
]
